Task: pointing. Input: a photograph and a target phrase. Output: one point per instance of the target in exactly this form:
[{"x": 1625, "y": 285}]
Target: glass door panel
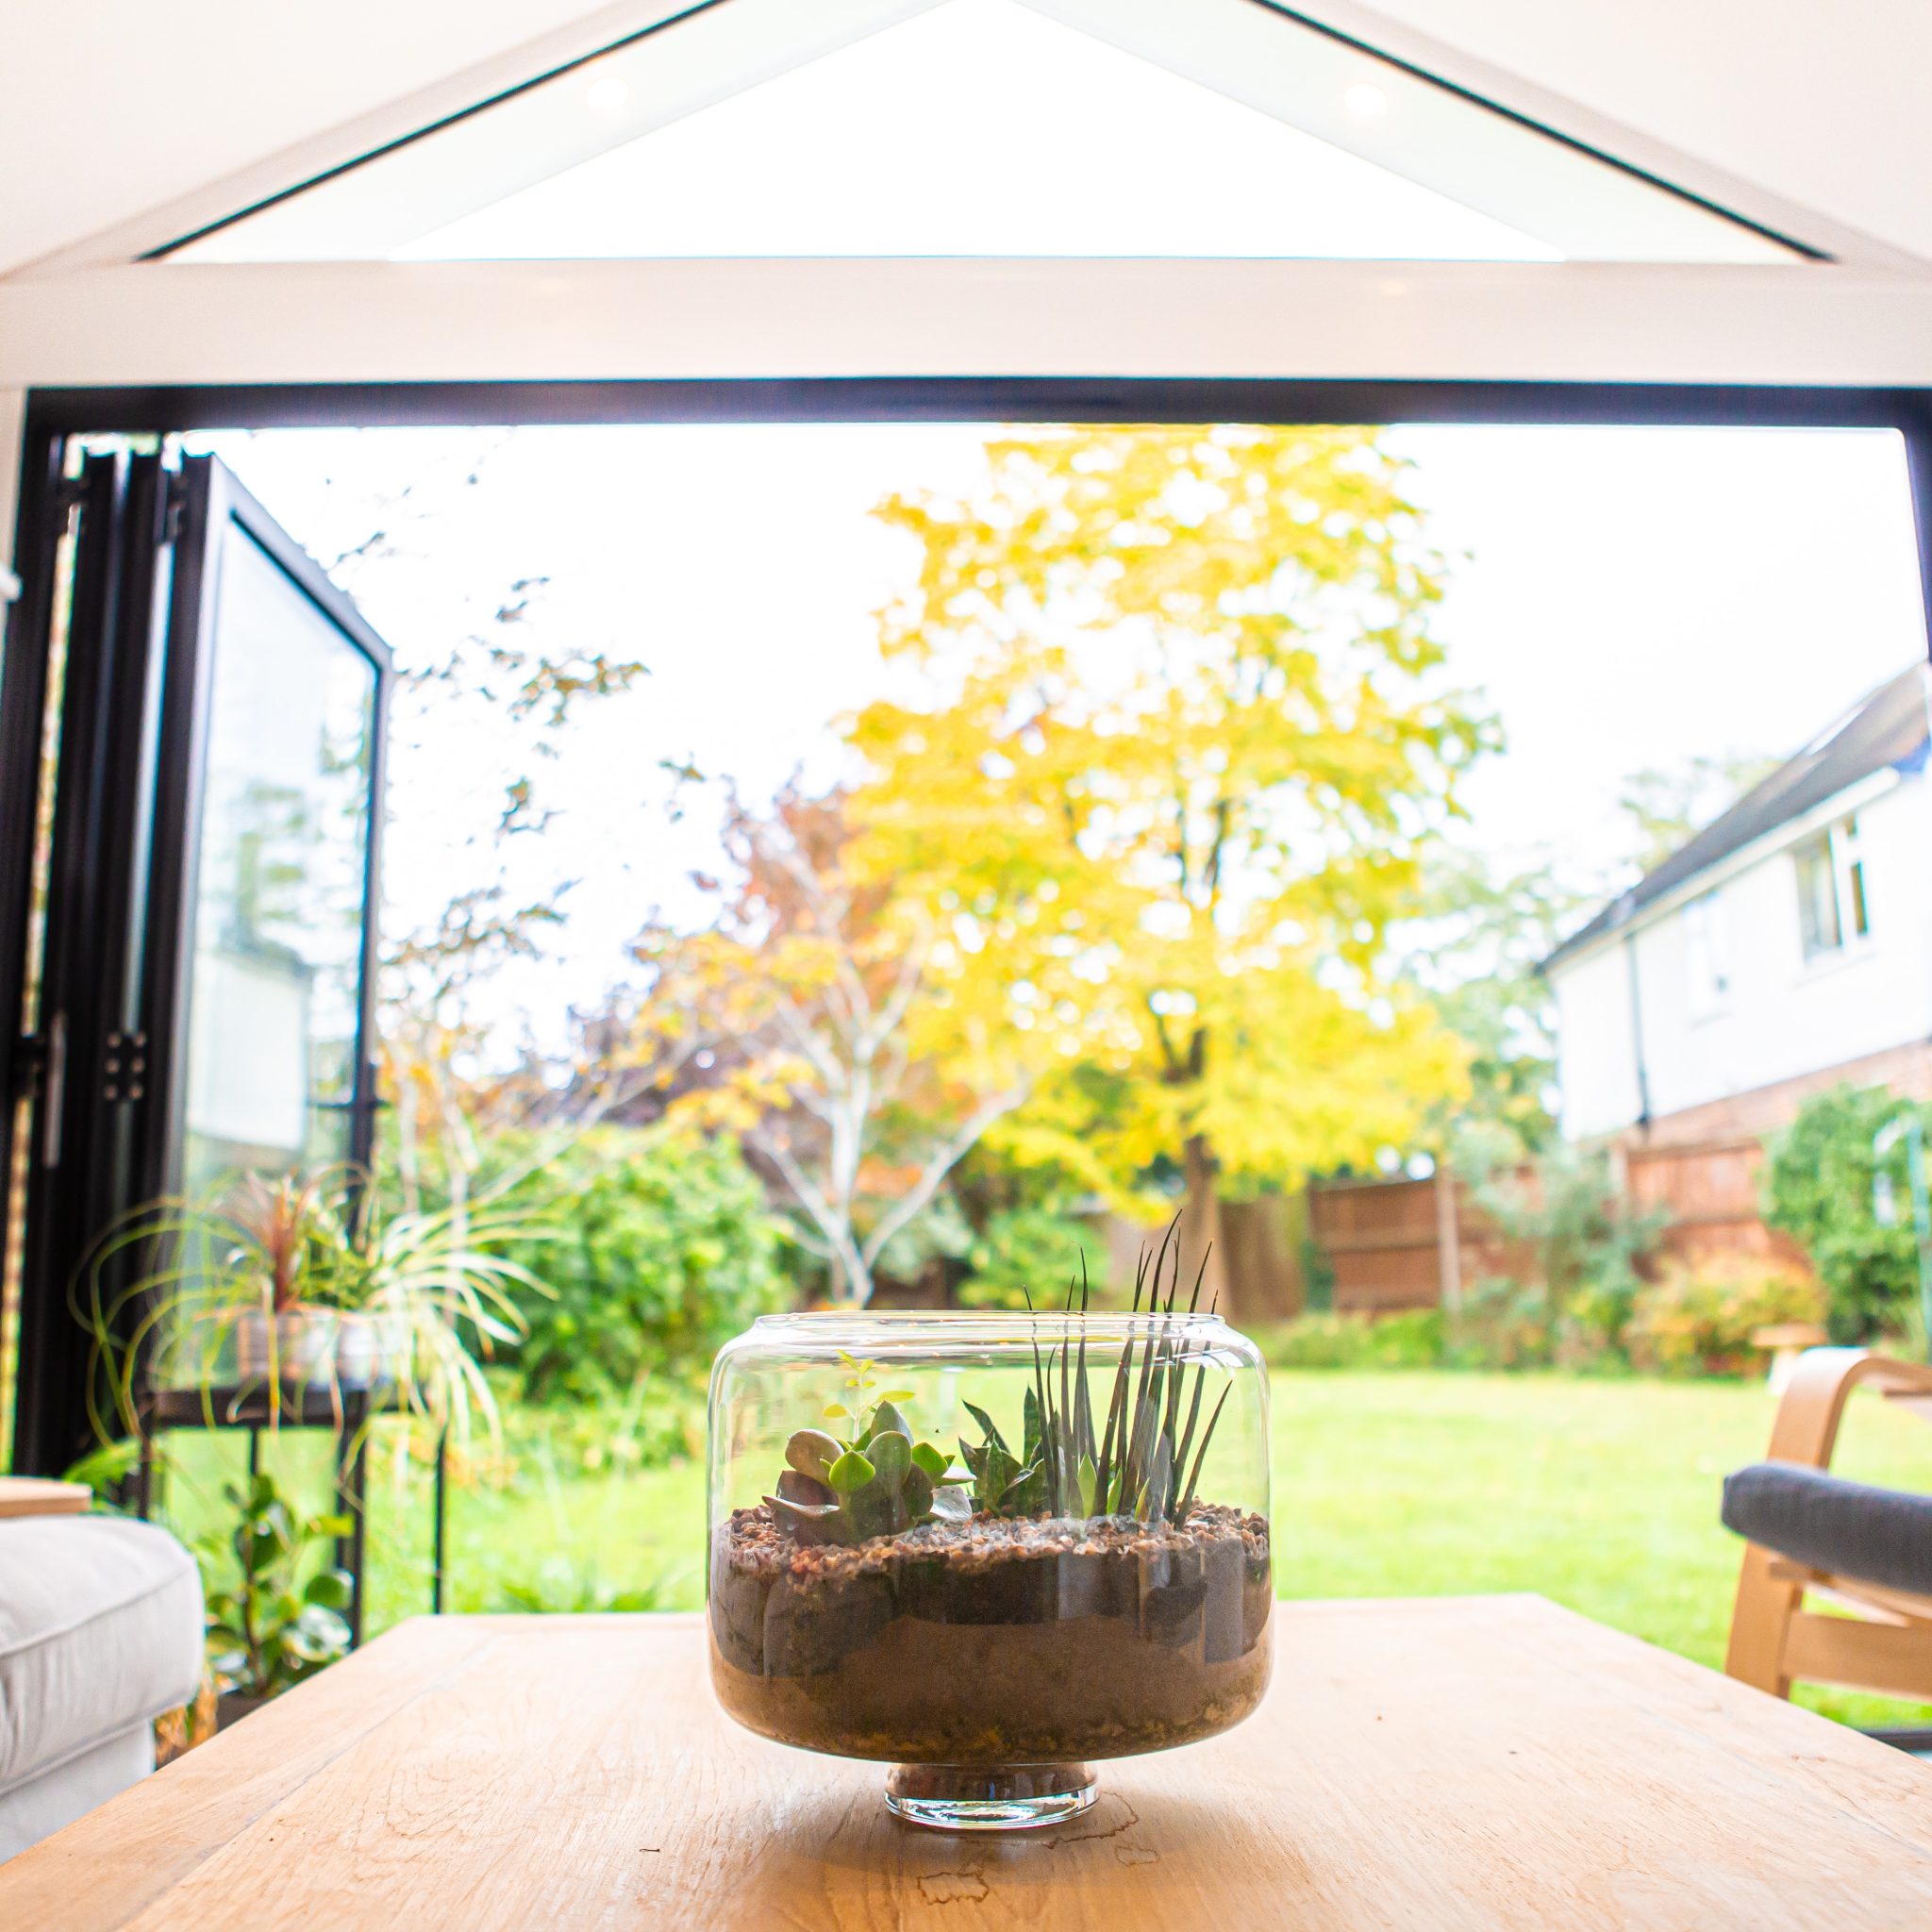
[{"x": 275, "y": 995}]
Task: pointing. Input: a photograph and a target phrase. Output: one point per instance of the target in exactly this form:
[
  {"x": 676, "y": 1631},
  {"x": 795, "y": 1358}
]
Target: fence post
[{"x": 1448, "y": 1239}]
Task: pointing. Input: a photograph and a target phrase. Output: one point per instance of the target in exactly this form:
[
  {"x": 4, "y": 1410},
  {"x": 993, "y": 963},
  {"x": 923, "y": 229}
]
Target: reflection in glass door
[
  {"x": 272, "y": 1009},
  {"x": 275, "y": 926}
]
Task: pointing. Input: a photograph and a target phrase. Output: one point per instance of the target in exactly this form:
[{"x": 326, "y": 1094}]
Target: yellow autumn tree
[{"x": 1178, "y": 739}]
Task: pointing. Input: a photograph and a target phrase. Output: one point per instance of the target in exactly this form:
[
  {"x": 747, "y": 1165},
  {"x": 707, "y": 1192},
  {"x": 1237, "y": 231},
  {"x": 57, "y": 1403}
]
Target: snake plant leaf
[
  {"x": 996, "y": 1475},
  {"x": 850, "y": 1472},
  {"x": 1029, "y": 1416},
  {"x": 1089, "y": 1485},
  {"x": 1025, "y": 1495},
  {"x": 988, "y": 1427}
]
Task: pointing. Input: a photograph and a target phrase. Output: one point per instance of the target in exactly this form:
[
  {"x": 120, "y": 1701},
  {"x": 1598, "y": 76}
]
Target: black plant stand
[{"x": 317, "y": 1406}]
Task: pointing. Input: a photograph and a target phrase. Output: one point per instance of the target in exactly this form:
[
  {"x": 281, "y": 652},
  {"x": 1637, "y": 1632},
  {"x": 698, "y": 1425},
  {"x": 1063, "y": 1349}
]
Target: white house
[{"x": 1787, "y": 947}]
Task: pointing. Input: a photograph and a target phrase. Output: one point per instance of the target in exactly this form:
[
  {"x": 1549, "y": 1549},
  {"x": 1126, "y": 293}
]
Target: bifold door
[{"x": 195, "y": 938}]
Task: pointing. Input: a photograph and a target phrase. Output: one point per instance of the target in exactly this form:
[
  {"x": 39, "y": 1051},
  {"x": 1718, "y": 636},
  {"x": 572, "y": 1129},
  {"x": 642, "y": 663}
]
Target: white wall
[
  {"x": 1782, "y": 1017},
  {"x": 1596, "y": 1063}
]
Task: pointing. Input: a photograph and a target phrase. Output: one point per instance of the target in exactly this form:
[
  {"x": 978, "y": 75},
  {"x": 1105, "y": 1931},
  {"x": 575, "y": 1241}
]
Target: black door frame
[
  {"x": 208, "y": 505},
  {"x": 105, "y": 1065},
  {"x": 55, "y": 414}
]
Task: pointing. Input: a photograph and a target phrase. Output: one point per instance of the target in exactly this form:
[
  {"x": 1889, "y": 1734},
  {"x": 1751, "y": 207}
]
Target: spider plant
[{"x": 1145, "y": 1461}]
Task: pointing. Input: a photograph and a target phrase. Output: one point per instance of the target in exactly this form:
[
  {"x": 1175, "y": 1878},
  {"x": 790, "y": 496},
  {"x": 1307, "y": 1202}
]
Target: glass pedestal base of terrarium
[{"x": 965, "y": 1797}]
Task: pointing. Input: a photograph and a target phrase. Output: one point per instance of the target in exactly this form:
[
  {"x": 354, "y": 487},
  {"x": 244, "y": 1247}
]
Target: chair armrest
[{"x": 1813, "y": 1404}]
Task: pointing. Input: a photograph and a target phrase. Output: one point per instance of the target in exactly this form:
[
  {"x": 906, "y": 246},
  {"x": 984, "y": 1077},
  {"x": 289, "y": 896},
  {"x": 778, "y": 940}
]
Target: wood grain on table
[{"x": 1426, "y": 1764}]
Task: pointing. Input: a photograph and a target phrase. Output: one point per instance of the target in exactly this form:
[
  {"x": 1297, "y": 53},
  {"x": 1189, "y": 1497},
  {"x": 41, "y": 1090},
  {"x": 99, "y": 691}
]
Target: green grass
[{"x": 1599, "y": 1492}]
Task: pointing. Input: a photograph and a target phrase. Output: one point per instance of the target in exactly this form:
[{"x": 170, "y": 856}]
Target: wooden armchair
[{"x": 1811, "y": 1534}]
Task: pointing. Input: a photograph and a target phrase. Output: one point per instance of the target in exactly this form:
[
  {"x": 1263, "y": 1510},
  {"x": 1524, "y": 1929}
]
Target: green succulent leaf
[
  {"x": 930, "y": 1457},
  {"x": 891, "y": 1456},
  {"x": 850, "y": 1472},
  {"x": 951, "y": 1504},
  {"x": 811, "y": 1524},
  {"x": 916, "y": 1496},
  {"x": 812, "y": 1452},
  {"x": 885, "y": 1418},
  {"x": 807, "y": 1489}
]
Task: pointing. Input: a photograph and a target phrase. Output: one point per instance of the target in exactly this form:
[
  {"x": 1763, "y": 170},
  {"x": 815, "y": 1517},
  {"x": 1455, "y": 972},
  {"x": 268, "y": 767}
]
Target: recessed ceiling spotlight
[
  {"x": 607, "y": 94},
  {"x": 1366, "y": 99}
]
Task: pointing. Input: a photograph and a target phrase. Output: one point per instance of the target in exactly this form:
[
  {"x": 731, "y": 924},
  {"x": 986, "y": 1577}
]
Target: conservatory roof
[{"x": 1795, "y": 123}]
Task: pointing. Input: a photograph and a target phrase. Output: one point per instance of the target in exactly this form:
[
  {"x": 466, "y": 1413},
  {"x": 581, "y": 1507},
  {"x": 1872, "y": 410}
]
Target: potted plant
[
  {"x": 1091, "y": 1578},
  {"x": 290, "y": 1282},
  {"x": 268, "y": 1624}
]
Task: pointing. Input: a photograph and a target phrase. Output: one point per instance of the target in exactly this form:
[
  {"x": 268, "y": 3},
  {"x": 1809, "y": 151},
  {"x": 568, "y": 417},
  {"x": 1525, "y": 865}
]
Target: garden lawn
[{"x": 1600, "y": 1493}]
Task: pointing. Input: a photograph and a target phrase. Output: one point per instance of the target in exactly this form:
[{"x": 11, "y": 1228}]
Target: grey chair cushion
[
  {"x": 1881, "y": 1535},
  {"x": 100, "y": 1629}
]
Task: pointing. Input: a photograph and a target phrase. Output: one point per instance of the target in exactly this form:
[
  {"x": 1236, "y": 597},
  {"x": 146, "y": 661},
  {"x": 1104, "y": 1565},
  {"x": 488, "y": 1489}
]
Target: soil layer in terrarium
[{"x": 998, "y": 1641}]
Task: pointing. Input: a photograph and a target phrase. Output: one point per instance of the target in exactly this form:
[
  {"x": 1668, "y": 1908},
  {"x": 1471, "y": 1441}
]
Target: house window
[
  {"x": 1832, "y": 905},
  {"x": 1708, "y": 956}
]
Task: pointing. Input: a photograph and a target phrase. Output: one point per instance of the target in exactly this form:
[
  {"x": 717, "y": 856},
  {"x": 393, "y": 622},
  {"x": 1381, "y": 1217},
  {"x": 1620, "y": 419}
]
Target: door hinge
[
  {"x": 124, "y": 1069},
  {"x": 174, "y": 506}
]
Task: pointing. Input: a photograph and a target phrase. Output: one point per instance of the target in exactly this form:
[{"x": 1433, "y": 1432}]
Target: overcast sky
[{"x": 1623, "y": 597}]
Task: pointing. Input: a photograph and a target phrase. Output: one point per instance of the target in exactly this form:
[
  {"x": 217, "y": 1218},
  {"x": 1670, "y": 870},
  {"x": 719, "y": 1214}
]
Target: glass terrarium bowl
[{"x": 988, "y": 1549}]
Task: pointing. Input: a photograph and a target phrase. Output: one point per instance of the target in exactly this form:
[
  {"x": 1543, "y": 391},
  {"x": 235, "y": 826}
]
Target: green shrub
[
  {"x": 1500, "y": 1323},
  {"x": 1699, "y": 1320},
  {"x": 661, "y": 1247},
  {"x": 1818, "y": 1189},
  {"x": 1409, "y": 1339},
  {"x": 1031, "y": 1249}
]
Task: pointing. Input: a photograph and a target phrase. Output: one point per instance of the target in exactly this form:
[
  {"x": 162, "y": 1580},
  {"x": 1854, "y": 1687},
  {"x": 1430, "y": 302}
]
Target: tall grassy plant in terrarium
[{"x": 990, "y": 1549}]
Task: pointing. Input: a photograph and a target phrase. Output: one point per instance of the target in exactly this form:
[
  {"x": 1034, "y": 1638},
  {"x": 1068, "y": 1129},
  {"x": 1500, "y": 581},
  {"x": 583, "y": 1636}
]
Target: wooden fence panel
[{"x": 1397, "y": 1244}]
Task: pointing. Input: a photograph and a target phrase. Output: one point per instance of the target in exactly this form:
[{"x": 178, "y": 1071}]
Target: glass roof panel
[{"x": 985, "y": 127}]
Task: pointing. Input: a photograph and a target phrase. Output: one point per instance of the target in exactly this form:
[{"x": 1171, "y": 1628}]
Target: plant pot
[
  {"x": 991, "y": 1637},
  {"x": 231, "y": 1348},
  {"x": 303, "y": 1350},
  {"x": 233, "y": 1705},
  {"x": 372, "y": 1349}
]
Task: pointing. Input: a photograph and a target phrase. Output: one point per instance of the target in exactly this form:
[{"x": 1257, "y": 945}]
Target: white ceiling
[{"x": 1821, "y": 106}]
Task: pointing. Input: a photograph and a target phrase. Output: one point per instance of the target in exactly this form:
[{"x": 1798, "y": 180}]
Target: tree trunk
[{"x": 1200, "y": 1226}]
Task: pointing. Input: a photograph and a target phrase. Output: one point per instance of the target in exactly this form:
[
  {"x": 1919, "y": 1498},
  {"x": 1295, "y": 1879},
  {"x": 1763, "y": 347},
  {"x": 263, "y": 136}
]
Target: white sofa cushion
[{"x": 100, "y": 1629}]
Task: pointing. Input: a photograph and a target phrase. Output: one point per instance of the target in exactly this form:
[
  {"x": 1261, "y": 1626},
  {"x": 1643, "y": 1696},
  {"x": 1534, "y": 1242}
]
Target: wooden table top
[
  {"x": 1429, "y": 1764},
  {"x": 28, "y": 1496}
]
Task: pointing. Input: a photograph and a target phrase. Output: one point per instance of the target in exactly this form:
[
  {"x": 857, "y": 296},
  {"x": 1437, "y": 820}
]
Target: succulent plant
[
  {"x": 876, "y": 1484},
  {"x": 1144, "y": 1462}
]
